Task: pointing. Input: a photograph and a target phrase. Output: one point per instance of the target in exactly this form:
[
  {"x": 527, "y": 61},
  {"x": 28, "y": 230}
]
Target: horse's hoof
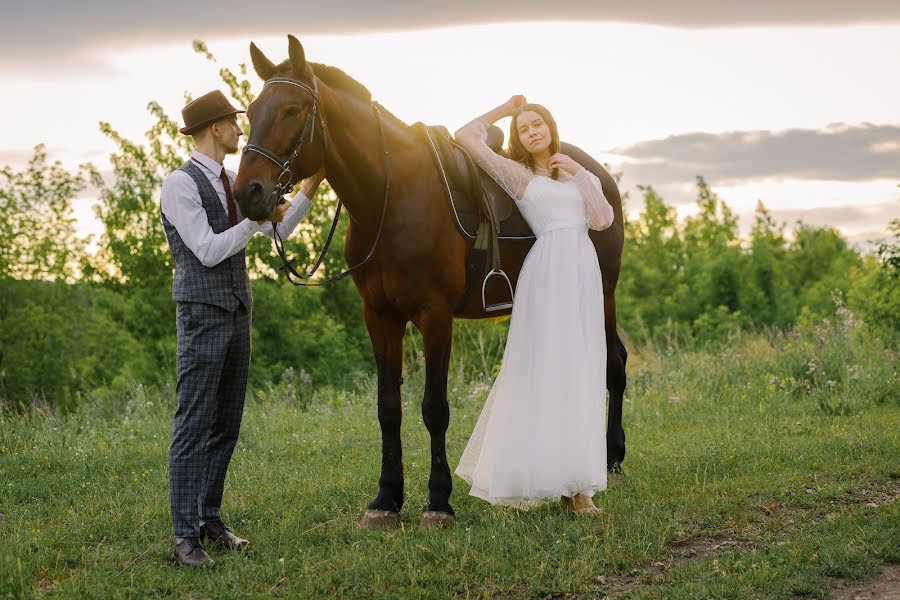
[
  {"x": 376, "y": 520},
  {"x": 434, "y": 518}
]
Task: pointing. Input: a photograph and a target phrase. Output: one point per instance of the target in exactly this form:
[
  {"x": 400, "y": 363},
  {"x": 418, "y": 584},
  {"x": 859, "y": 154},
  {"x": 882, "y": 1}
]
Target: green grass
[{"x": 748, "y": 475}]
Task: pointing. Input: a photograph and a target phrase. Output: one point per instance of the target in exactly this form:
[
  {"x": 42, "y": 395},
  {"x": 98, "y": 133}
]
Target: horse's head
[{"x": 287, "y": 132}]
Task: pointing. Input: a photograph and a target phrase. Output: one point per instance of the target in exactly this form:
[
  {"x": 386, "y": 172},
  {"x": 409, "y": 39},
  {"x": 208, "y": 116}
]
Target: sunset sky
[{"x": 796, "y": 104}]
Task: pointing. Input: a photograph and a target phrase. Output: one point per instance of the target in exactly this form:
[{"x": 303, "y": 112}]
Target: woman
[{"x": 542, "y": 431}]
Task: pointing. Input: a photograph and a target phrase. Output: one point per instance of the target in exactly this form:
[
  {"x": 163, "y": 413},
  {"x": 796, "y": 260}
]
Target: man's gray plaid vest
[{"x": 225, "y": 284}]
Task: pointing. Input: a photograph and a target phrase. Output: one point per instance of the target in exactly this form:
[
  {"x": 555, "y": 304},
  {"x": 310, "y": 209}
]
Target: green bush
[
  {"x": 60, "y": 342},
  {"x": 835, "y": 362},
  {"x": 292, "y": 329},
  {"x": 875, "y": 293}
]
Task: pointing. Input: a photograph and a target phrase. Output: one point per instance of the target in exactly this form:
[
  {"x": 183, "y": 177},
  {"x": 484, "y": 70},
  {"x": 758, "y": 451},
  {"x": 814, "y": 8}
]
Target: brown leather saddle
[{"x": 472, "y": 194}]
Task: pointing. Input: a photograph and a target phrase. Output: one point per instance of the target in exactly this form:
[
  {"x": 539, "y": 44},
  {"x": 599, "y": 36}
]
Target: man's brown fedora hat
[{"x": 206, "y": 110}]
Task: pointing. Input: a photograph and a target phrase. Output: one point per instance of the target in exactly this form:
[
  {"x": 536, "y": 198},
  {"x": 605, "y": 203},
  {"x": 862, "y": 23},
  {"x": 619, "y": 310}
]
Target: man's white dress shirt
[{"x": 181, "y": 204}]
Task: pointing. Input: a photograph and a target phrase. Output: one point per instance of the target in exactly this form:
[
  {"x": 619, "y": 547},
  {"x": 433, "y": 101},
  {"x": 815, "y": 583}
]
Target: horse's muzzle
[{"x": 257, "y": 200}]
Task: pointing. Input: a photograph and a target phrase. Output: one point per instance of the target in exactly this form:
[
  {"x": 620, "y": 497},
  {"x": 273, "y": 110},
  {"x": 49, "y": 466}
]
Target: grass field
[{"x": 766, "y": 468}]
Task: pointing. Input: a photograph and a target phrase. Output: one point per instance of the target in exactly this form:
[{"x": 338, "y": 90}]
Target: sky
[{"x": 796, "y": 104}]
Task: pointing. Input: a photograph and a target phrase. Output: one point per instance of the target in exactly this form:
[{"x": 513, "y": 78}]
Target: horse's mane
[{"x": 337, "y": 79}]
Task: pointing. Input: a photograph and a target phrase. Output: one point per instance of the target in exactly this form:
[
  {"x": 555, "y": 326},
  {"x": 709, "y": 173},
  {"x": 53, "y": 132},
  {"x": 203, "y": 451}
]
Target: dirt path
[{"x": 885, "y": 586}]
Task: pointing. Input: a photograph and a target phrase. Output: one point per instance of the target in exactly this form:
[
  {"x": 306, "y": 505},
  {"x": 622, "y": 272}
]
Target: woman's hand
[
  {"x": 514, "y": 105},
  {"x": 564, "y": 163},
  {"x": 510, "y": 108}
]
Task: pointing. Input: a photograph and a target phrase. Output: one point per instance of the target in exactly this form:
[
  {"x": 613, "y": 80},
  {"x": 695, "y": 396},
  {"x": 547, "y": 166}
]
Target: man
[{"x": 207, "y": 236}]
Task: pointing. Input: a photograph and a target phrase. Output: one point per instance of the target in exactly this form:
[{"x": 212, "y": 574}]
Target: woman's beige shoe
[{"x": 581, "y": 504}]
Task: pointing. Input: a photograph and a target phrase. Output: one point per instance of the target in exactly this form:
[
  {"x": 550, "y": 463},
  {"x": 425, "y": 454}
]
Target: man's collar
[{"x": 213, "y": 166}]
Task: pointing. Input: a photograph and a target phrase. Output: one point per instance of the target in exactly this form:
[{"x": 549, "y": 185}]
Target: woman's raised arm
[{"x": 510, "y": 175}]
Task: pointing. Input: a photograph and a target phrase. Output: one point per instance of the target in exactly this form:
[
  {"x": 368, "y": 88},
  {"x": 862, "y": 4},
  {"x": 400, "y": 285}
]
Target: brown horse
[{"x": 309, "y": 116}]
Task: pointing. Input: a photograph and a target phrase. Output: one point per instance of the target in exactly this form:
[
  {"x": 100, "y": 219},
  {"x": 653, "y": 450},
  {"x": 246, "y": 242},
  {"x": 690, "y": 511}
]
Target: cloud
[
  {"x": 851, "y": 218},
  {"x": 854, "y": 153},
  {"x": 34, "y": 31},
  {"x": 15, "y": 159},
  {"x": 861, "y": 226},
  {"x": 843, "y": 176}
]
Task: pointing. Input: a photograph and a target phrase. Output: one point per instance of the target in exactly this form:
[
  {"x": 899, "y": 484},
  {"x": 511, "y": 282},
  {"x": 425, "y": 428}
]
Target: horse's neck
[
  {"x": 353, "y": 164},
  {"x": 356, "y": 160}
]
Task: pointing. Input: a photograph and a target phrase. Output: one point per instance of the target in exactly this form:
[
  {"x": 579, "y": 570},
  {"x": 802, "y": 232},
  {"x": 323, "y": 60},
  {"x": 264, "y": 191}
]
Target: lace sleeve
[
  {"x": 598, "y": 210},
  {"x": 510, "y": 175}
]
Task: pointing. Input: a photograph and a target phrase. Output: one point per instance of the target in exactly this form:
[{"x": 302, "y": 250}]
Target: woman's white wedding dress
[{"x": 542, "y": 432}]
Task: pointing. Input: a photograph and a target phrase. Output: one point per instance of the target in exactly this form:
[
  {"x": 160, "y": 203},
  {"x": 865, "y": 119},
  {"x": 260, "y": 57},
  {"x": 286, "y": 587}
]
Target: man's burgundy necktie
[{"x": 232, "y": 209}]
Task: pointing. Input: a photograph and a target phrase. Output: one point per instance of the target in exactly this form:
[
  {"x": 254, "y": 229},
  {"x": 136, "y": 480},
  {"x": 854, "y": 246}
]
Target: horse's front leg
[
  {"x": 386, "y": 332},
  {"x": 616, "y": 358},
  {"x": 437, "y": 329}
]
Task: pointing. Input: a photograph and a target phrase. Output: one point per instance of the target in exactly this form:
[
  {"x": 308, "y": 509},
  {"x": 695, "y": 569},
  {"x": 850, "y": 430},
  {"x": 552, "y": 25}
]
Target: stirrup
[{"x": 502, "y": 305}]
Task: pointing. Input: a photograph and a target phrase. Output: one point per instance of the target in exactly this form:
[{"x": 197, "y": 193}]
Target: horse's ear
[
  {"x": 297, "y": 55},
  {"x": 263, "y": 66}
]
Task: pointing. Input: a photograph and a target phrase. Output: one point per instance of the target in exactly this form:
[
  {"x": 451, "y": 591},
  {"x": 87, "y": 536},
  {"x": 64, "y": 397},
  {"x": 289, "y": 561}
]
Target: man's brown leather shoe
[
  {"x": 190, "y": 552},
  {"x": 216, "y": 532}
]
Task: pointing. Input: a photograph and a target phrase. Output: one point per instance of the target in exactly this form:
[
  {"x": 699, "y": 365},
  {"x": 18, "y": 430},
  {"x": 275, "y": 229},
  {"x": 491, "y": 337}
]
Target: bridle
[
  {"x": 284, "y": 184},
  {"x": 309, "y": 129}
]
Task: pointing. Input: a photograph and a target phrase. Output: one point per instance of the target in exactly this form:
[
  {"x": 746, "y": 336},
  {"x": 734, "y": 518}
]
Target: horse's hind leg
[
  {"x": 386, "y": 333},
  {"x": 437, "y": 328},
  {"x": 615, "y": 433},
  {"x": 616, "y": 358}
]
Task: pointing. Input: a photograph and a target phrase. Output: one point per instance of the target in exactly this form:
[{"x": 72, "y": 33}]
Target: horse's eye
[{"x": 293, "y": 111}]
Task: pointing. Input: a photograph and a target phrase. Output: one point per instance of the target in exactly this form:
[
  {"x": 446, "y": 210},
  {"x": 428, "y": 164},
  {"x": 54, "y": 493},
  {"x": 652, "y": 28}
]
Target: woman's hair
[{"x": 517, "y": 151}]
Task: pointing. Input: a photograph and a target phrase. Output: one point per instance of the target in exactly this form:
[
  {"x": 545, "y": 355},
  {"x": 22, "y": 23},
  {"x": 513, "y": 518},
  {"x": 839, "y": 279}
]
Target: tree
[
  {"x": 37, "y": 232},
  {"x": 766, "y": 292},
  {"x": 713, "y": 263},
  {"x": 888, "y": 250},
  {"x": 652, "y": 268},
  {"x": 819, "y": 262},
  {"x": 133, "y": 248},
  {"x": 875, "y": 289}
]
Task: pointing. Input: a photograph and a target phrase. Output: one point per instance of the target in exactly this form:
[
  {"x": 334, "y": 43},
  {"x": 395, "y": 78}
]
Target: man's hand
[
  {"x": 564, "y": 163},
  {"x": 309, "y": 185},
  {"x": 278, "y": 213}
]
